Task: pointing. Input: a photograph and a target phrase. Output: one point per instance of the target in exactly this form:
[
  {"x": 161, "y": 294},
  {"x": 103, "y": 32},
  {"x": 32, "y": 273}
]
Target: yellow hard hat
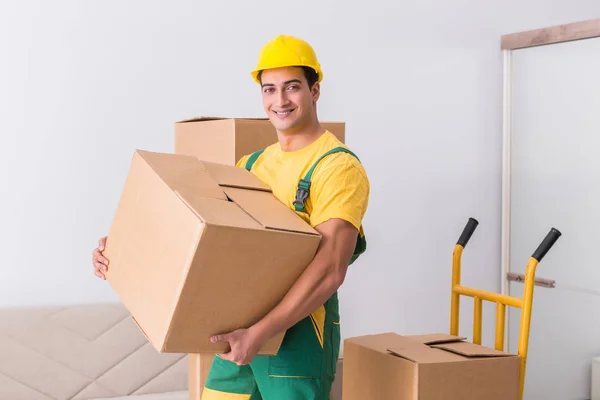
[{"x": 287, "y": 51}]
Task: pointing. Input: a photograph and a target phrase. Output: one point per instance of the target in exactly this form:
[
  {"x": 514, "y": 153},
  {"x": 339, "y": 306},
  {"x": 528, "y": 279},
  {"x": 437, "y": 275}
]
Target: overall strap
[
  {"x": 304, "y": 185},
  {"x": 252, "y": 159}
]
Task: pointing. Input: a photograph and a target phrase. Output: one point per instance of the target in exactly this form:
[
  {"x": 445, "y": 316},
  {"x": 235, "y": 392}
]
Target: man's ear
[{"x": 316, "y": 91}]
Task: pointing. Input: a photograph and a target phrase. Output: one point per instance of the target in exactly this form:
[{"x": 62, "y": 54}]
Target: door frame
[{"x": 510, "y": 43}]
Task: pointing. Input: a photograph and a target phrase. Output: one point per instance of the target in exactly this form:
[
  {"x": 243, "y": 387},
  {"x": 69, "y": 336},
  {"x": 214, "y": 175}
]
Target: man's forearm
[
  {"x": 319, "y": 281},
  {"x": 315, "y": 286}
]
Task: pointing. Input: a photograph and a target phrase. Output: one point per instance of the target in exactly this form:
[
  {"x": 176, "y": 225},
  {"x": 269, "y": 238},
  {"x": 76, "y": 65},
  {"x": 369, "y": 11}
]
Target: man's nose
[{"x": 282, "y": 98}]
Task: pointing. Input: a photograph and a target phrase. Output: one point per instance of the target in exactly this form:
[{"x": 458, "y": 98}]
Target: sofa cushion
[{"x": 179, "y": 395}]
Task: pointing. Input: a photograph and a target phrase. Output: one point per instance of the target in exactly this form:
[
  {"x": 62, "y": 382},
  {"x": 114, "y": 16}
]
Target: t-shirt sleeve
[
  {"x": 339, "y": 190},
  {"x": 242, "y": 161}
]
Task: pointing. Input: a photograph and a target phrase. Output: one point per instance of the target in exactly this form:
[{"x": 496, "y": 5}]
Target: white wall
[{"x": 418, "y": 83}]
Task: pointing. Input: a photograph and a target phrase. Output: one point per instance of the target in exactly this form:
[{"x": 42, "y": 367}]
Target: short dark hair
[{"x": 310, "y": 74}]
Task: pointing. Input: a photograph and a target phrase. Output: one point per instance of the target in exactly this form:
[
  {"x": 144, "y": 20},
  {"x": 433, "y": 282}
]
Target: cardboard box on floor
[
  {"x": 198, "y": 248},
  {"x": 225, "y": 140},
  {"x": 427, "y": 367}
]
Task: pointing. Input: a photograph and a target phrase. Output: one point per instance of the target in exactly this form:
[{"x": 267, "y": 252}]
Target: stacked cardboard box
[{"x": 226, "y": 140}]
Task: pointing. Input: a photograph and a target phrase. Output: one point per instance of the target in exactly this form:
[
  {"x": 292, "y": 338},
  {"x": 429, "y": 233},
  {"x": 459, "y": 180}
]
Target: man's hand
[
  {"x": 244, "y": 343},
  {"x": 100, "y": 262}
]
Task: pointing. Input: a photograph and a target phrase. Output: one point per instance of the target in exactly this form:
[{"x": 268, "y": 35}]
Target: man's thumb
[{"x": 219, "y": 338}]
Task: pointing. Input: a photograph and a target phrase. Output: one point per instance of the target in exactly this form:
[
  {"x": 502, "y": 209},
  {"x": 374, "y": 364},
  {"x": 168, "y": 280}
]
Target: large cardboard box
[
  {"x": 226, "y": 140},
  {"x": 427, "y": 367},
  {"x": 198, "y": 248}
]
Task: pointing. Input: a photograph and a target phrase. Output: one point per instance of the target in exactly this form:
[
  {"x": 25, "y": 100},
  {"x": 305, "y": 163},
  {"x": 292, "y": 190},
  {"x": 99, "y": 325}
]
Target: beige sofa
[{"x": 86, "y": 352}]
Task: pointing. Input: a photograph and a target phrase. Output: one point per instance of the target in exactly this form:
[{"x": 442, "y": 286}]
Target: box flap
[
  {"x": 236, "y": 177},
  {"x": 217, "y": 212},
  {"x": 270, "y": 212},
  {"x": 379, "y": 342},
  {"x": 423, "y": 354},
  {"x": 436, "y": 338},
  {"x": 471, "y": 350},
  {"x": 208, "y": 118},
  {"x": 197, "y": 119},
  {"x": 251, "y": 119},
  {"x": 183, "y": 173}
]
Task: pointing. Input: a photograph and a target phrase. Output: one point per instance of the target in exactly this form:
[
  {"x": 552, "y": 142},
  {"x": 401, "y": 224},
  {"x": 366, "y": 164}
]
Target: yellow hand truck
[{"x": 501, "y": 300}]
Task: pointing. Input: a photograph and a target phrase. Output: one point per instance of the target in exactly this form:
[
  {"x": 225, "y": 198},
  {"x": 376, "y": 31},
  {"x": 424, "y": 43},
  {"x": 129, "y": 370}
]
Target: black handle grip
[
  {"x": 468, "y": 232},
  {"x": 546, "y": 244}
]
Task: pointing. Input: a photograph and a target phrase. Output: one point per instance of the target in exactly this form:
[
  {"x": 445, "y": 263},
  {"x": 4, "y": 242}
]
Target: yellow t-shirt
[{"x": 339, "y": 186}]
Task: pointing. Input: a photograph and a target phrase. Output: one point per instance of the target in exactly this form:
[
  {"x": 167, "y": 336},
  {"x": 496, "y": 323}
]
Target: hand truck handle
[
  {"x": 468, "y": 232},
  {"x": 546, "y": 244}
]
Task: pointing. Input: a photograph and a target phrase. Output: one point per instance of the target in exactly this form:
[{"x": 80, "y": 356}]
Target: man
[{"x": 334, "y": 203}]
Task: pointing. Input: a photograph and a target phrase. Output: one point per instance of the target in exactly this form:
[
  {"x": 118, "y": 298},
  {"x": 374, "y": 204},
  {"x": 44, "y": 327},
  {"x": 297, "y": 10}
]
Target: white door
[{"x": 555, "y": 182}]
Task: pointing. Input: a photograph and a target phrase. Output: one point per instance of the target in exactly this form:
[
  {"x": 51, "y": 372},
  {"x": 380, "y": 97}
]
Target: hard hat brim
[{"x": 256, "y": 72}]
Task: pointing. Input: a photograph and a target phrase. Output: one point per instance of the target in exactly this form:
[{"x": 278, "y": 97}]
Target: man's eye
[
  {"x": 292, "y": 87},
  {"x": 268, "y": 90}
]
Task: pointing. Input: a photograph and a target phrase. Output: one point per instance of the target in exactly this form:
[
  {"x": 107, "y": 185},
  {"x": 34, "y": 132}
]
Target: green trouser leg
[
  {"x": 303, "y": 369},
  {"x": 228, "y": 381}
]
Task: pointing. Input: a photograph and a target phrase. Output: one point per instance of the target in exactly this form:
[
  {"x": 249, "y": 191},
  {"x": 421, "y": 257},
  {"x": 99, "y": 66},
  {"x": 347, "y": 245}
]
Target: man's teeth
[{"x": 283, "y": 112}]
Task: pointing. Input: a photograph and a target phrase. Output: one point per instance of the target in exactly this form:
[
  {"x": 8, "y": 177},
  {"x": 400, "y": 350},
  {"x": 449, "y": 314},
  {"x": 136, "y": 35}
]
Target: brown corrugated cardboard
[
  {"x": 426, "y": 367},
  {"x": 226, "y": 140},
  {"x": 198, "y": 248}
]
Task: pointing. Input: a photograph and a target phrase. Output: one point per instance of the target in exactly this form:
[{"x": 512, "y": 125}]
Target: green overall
[{"x": 305, "y": 366}]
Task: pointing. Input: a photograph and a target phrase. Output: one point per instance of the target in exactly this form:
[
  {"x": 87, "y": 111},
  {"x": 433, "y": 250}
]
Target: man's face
[{"x": 287, "y": 99}]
